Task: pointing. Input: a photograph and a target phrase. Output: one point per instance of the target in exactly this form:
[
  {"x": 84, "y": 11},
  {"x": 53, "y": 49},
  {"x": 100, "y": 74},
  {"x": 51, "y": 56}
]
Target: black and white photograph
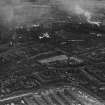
[{"x": 52, "y": 52}]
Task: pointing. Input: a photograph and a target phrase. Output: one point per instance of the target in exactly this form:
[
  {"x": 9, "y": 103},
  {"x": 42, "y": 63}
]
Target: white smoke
[
  {"x": 86, "y": 8},
  {"x": 23, "y": 12},
  {"x": 87, "y": 14}
]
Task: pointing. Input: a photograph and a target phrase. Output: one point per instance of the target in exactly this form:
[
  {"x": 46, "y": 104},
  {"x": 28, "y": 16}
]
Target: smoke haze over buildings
[{"x": 23, "y": 12}]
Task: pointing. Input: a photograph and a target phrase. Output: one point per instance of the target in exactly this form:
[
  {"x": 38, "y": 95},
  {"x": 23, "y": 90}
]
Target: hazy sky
[
  {"x": 17, "y": 12},
  {"x": 14, "y": 12}
]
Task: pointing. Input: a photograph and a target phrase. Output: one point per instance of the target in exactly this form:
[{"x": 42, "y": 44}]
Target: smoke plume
[{"x": 25, "y": 12}]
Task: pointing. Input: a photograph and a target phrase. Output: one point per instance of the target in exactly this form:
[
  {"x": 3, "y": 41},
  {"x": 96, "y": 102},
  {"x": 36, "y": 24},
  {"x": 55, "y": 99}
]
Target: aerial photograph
[{"x": 52, "y": 52}]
